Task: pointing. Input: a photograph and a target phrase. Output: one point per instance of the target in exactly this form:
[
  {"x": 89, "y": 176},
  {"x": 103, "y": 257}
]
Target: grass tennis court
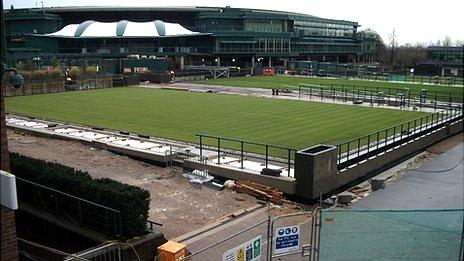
[
  {"x": 180, "y": 115},
  {"x": 278, "y": 81}
]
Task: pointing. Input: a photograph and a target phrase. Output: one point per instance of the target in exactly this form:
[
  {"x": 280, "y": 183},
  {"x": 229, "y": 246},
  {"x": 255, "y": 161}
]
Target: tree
[
  {"x": 459, "y": 43},
  {"x": 447, "y": 41},
  {"x": 392, "y": 38},
  {"x": 380, "y": 47}
]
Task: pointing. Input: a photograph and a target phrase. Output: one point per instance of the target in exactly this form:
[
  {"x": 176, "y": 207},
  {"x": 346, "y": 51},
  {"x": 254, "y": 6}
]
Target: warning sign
[
  {"x": 287, "y": 239},
  {"x": 249, "y": 251}
]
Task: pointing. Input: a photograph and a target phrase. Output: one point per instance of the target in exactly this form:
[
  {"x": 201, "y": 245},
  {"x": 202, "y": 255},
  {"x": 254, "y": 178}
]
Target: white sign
[
  {"x": 287, "y": 239},
  {"x": 8, "y": 190},
  {"x": 248, "y": 251}
]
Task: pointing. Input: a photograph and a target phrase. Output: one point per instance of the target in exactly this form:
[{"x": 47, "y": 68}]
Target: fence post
[
  {"x": 267, "y": 152},
  {"x": 201, "y": 147},
  {"x": 241, "y": 154},
  {"x": 386, "y": 138},
  {"x": 368, "y": 143},
  {"x": 348, "y": 151},
  {"x": 219, "y": 150},
  {"x": 339, "y": 157},
  {"x": 289, "y": 162},
  {"x": 450, "y": 101}
]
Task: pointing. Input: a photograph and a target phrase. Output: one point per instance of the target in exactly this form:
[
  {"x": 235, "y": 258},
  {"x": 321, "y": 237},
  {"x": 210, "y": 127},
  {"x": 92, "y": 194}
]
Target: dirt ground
[{"x": 175, "y": 203}]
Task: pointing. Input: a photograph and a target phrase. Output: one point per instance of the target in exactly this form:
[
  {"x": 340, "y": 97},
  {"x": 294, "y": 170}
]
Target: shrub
[
  {"x": 54, "y": 74},
  {"x": 133, "y": 202},
  {"x": 38, "y": 75},
  {"x": 90, "y": 71},
  {"x": 26, "y": 74},
  {"x": 75, "y": 72}
]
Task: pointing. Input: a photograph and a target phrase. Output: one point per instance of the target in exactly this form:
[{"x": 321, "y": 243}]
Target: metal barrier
[
  {"x": 29, "y": 249},
  {"x": 382, "y": 96},
  {"x": 236, "y": 243},
  {"x": 364, "y": 147},
  {"x": 77, "y": 210},
  {"x": 367, "y": 234},
  {"x": 375, "y": 76},
  {"x": 107, "y": 252},
  {"x": 31, "y": 87},
  {"x": 291, "y": 236},
  {"x": 269, "y": 152}
]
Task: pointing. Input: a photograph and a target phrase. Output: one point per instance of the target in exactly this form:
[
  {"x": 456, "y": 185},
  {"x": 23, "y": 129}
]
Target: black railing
[
  {"x": 77, "y": 210},
  {"x": 246, "y": 149},
  {"x": 383, "y": 96},
  {"x": 362, "y": 148},
  {"x": 353, "y": 73}
]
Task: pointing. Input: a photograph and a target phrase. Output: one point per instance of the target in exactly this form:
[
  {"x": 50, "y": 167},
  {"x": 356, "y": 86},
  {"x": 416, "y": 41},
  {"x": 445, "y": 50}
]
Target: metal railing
[
  {"x": 364, "y": 147},
  {"x": 260, "y": 151},
  {"x": 353, "y": 73},
  {"x": 77, "y": 210},
  {"x": 106, "y": 252},
  {"x": 388, "y": 96}
]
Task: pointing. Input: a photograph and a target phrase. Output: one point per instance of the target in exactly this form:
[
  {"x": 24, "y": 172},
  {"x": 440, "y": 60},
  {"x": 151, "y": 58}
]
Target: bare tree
[
  {"x": 459, "y": 43},
  {"x": 392, "y": 38},
  {"x": 447, "y": 41}
]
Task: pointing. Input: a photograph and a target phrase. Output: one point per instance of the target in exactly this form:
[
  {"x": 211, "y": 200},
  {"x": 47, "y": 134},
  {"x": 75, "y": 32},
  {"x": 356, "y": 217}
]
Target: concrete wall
[
  {"x": 327, "y": 182},
  {"x": 311, "y": 166},
  {"x": 284, "y": 184}
]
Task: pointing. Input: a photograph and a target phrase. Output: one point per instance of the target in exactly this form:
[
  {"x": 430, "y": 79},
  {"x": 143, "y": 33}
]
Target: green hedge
[{"x": 132, "y": 201}]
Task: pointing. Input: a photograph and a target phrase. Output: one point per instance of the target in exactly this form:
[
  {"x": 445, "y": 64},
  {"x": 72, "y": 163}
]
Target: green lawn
[
  {"x": 278, "y": 81},
  {"x": 180, "y": 115}
]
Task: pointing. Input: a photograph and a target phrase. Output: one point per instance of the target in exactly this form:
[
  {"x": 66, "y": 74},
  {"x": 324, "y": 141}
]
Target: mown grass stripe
[{"x": 180, "y": 115}]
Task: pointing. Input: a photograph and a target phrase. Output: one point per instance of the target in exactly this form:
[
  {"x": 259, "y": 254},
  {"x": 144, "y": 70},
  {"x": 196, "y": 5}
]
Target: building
[
  {"x": 446, "y": 61},
  {"x": 247, "y": 38}
]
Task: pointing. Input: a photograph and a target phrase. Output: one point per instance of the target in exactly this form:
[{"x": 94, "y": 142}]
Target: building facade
[
  {"x": 445, "y": 61},
  {"x": 225, "y": 36}
]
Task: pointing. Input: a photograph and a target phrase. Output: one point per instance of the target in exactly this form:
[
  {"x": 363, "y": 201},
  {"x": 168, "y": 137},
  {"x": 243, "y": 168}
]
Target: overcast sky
[{"x": 414, "y": 21}]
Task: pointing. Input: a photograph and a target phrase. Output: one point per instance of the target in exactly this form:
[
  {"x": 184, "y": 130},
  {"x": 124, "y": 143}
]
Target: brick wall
[{"x": 9, "y": 241}]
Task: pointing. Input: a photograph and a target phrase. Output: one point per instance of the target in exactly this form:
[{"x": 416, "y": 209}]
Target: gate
[
  {"x": 293, "y": 236},
  {"x": 249, "y": 243}
]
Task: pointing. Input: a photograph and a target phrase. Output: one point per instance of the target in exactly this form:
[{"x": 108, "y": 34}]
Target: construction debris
[
  {"x": 198, "y": 177},
  {"x": 345, "y": 197},
  {"x": 230, "y": 184},
  {"x": 259, "y": 191}
]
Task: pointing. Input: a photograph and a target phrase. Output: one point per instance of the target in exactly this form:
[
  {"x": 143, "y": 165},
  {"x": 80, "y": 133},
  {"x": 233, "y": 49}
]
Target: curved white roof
[
  {"x": 145, "y": 29},
  {"x": 98, "y": 29},
  {"x": 122, "y": 28}
]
